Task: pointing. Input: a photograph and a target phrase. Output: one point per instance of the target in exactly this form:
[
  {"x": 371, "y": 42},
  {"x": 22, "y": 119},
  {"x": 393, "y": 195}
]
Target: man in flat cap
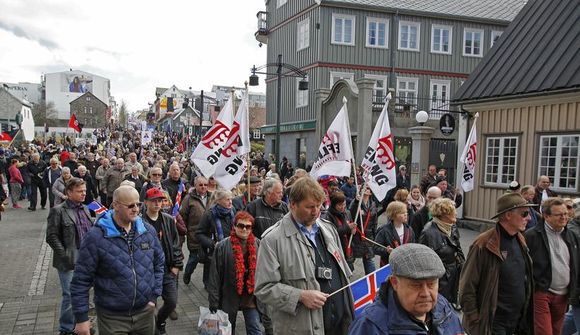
[
  {"x": 240, "y": 202},
  {"x": 495, "y": 287},
  {"x": 408, "y": 301}
]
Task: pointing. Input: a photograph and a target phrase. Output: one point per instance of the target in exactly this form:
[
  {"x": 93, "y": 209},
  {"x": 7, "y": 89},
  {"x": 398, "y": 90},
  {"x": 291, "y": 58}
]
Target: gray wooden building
[
  {"x": 423, "y": 50},
  {"x": 90, "y": 111},
  {"x": 527, "y": 92}
]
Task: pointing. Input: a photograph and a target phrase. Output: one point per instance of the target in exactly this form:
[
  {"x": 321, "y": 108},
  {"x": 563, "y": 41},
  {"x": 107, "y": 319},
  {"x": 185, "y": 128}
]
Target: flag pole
[{"x": 249, "y": 163}]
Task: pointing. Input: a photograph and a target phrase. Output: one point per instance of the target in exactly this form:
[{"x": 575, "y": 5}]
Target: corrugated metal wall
[{"x": 527, "y": 120}]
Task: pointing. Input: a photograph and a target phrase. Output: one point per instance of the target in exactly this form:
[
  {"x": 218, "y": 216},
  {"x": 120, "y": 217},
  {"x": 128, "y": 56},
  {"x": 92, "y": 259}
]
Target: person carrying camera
[{"x": 300, "y": 262}]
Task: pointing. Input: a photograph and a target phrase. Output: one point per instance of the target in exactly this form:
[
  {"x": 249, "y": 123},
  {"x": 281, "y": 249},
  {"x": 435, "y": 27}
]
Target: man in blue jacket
[
  {"x": 408, "y": 301},
  {"x": 122, "y": 258}
]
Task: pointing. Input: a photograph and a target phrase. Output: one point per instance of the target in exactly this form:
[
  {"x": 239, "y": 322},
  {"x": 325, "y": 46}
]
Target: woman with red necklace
[{"x": 232, "y": 274}]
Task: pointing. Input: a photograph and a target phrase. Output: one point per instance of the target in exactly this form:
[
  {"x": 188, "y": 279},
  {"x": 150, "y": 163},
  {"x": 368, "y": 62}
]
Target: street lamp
[
  {"x": 422, "y": 117},
  {"x": 293, "y": 72}
]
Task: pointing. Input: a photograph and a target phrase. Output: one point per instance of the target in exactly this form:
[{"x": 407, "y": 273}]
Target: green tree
[
  {"x": 44, "y": 112},
  {"x": 123, "y": 114}
]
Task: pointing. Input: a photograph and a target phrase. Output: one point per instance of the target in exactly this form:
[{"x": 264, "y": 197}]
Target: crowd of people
[{"x": 280, "y": 247}]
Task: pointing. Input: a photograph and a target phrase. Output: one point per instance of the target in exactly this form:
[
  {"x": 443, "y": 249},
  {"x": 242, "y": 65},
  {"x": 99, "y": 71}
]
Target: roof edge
[{"x": 515, "y": 96}]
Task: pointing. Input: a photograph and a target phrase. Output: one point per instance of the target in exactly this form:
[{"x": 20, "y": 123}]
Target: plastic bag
[{"x": 213, "y": 324}]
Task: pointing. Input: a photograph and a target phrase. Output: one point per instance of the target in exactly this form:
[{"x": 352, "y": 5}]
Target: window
[
  {"x": 440, "y": 95},
  {"x": 256, "y": 134},
  {"x": 88, "y": 98},
  {"x": 472, "y": 39},
  {"x": 301, "y": 96},
  {"x": 336, "y": 76},
  {"x": 377, "y": 33},
  {"x": 409, "y": 35},
  {"x": 90, "y": 110},
  {"x": 342, "y": 29},
  {"x": 559, "y": 160},
  {"x": 494, "y": 36},
  {"x": 441, "y": 37},
  {"x": 407, "y": 91},
  {"x": 281, "y": 3},
  {"x": 303, "y": 35},
  {"x": 380, "y": 87},
  {"x": 500, "y": 160}
]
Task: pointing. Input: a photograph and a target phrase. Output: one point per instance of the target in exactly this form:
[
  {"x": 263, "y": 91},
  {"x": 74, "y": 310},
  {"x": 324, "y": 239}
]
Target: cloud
[{"x": 20, "y": 32}]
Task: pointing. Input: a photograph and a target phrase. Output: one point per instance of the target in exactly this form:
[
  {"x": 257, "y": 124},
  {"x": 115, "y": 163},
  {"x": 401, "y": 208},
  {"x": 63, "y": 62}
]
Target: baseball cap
[
  {"x": 154, "y": 193},
  {"x": 416, "y": 261}
]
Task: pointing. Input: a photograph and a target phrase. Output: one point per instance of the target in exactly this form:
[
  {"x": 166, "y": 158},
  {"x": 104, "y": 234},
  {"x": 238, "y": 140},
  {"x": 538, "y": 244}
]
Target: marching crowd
[{"x": 281, "y": 246}]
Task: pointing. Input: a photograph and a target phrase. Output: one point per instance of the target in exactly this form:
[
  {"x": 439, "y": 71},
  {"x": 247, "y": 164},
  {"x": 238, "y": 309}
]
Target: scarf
[
  {"x": 240, "y": 264},
  {"x": 218, "y": 212},
  {"x": 443, "y": 226},
  {"x": 417, "y": 204}
]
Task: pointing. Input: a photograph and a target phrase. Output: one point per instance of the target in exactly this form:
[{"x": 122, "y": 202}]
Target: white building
[{"x": 63, "y": 87}]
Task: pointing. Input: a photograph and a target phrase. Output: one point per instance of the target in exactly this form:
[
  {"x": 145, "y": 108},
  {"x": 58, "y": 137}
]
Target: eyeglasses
[
  {"x": 244, "y": 226},
  {"x": 525, "y": 214},
  {"x": 131, "y": 206},
  {"x": 202, "y": 185},
  {"x": 156, "y": 174}
]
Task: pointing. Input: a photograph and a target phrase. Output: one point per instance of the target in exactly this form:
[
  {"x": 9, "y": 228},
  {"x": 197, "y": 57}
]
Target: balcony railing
[
  {"x": 407, "y": 106},
  {"x": 262, "y": 32}
]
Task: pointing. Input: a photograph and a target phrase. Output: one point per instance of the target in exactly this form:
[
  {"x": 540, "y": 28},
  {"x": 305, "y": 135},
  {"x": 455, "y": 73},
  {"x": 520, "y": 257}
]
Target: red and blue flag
[
  {"x": 365, "y": 289},
  {"x": 97, "y": 207}
]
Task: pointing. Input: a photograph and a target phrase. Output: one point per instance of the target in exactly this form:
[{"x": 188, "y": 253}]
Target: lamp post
[
  {"x": 421, "y": 136},
  {"x": 293, "y": 71}
]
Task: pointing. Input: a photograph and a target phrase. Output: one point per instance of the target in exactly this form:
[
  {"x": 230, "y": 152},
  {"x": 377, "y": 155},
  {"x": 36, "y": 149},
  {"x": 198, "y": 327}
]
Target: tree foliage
[
  {"x": 45, "y": 112},
  {"x": 123, "y": 114}
]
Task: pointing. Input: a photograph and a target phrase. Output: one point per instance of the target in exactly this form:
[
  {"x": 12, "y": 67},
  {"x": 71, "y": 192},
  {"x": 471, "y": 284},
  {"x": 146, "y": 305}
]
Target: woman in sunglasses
[{"x": 232, "y": 274}]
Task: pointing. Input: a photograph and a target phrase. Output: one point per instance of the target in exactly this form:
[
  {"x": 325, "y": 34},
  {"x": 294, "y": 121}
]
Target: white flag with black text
[
  {"x": 379, "y": 158},
  {"x": 207, "y": 153},
  {"x": 335, "y": 151},
  {"x": 468, "y": 158},
  {"x": 232, "y": 164}
]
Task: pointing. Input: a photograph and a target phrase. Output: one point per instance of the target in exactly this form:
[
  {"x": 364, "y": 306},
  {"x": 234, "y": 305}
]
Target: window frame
[
  {"x": 406, "y": 90},
  {"x": 481, "y": 42},
  {"x": 416, "y": 25},
  {"x": 304, "y": 35},
  {"x": 501, "y": 160},
  {"x": 441, "y": 27},
  {"x": 377, "y": 77},
  {"x": 301, "y": 96},
  {"x": 378, "y": 21},
  {"x": 344, "y": 75},
  {"x": 558, "y": 166},
  {"x": 493, "y": 35},
  {"x": 333, "y": 29},
  {"x": 435, "y": 115}
]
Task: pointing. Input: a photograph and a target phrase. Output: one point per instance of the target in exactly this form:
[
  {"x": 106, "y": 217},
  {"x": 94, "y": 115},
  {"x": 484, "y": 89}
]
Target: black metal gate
[{"x": 443, "y": 153}]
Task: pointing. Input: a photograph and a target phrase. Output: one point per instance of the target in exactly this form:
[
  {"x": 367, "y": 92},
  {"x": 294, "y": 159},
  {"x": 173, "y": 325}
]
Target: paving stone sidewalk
[{"x": 30, "y": 290}]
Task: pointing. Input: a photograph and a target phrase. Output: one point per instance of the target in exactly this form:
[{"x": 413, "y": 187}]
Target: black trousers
[{"x": 35, "y": 184}]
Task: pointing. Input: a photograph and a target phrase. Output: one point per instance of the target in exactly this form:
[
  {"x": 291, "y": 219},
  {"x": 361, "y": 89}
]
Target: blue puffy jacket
[
  {"x": 125, "y": 277},
  {"x": 384, "y": 316}
]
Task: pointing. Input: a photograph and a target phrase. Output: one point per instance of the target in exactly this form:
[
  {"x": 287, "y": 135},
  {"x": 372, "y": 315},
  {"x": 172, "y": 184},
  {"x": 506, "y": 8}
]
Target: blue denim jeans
[
  {"x": 169, "y": 295},
  {"x": 67, "y": 319},
  {"x": 368, "y": 264},
  {"x": 252, "y": 320},
  {"x": 192, "y": 262}
]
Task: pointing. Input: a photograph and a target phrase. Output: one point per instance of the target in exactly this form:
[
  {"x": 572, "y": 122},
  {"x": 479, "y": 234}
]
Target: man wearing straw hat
[
  {"x": 300, "y": 263},
  {"x": 496, "y": 283}
]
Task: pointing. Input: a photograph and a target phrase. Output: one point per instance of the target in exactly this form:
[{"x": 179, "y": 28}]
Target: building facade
[
  {"x": 527, "y": 93},
  {"x": 14, "y": 111},
  {"x": 90, "y": 111},
  {"x": 61, "y": 88},
  {"x": 421, "y": 50}
]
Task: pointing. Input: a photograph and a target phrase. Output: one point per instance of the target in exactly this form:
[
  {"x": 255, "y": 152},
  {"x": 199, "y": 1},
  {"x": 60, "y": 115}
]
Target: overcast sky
[{"x": 138, "y": 45}]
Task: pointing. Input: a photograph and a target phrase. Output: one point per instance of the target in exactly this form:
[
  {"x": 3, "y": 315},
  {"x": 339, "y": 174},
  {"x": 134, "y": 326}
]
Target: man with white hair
[
  {"x": 423, "y": 216},
  {"x": 51, "y": 174}
]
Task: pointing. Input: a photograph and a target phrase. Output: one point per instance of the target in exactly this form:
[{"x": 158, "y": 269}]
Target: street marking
[{"x": 38, "y": 283}]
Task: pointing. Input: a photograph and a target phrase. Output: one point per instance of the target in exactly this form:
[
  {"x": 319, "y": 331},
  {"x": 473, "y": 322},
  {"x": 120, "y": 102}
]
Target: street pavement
[{"x": 30, "y": 290}]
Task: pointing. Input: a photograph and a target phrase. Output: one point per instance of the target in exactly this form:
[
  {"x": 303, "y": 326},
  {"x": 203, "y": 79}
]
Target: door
[{"x": 443, "y": 153}]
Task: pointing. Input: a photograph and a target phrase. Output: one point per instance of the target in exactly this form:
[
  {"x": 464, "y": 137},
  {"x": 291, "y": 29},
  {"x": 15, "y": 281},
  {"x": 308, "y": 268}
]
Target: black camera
[{"x": 323, "y": 273}]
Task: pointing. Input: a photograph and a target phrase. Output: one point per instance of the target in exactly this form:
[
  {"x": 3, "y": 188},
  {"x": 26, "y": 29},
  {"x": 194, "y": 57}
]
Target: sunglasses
[
  {"x": 202, "y": 185},
  {"x": 525, "y": 214},
  {"x": 244, "y": 226},
  {"x": 156, "y": 174},
  {"x": 132, "y": 206}
]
